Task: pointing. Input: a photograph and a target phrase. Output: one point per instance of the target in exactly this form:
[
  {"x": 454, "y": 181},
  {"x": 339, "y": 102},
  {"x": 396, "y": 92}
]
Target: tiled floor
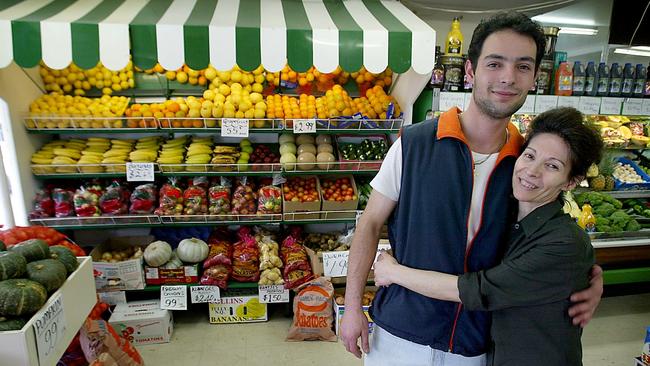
[{"x": 614, "y": 337}]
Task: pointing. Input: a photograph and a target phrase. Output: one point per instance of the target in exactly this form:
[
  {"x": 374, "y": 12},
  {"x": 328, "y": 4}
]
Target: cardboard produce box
[
  {"x": 187, "y": 274},
  {"x": 143, "y": 322},
  {"x": 369, "y": 163},
  {"x": 238, "y": 309},
  {"x": 301, "y": 210},
  {"x": 119, "y": 276},
  {"x": 350, "y": 205}
]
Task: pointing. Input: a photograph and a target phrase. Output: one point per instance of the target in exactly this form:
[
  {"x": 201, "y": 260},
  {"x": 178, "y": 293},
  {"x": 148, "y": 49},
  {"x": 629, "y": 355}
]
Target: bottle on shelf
[
  {"x": 591, "y": 79},
  {"x": 615, "y": 80},
  {"x": 603, "y": 80},
  {"x": 544, "y": 86},
  {"x": 438, "y": 74},
  {"x": 579, "y": 77},
  {"x": 563, "y": 79},
  {"x": 646, "y": 92},
  {"x": 587, "y": 220},
  {"x": 454, "y": 41},
  {"x": 629, "y": 74},
  {"x": 639, "y": 82}
]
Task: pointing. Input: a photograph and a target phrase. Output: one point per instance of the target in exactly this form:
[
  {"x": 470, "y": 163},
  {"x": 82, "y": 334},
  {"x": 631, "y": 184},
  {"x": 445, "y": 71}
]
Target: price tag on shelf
[
  {"x": 201, "y": 294},
  {"x": 335, "y": 264},
  {"x": 646, "y": 107},
  {"x": 49, "y": 328},
  {"x": 573, "y": 102},
  {"x": 449, "y": 100},
  {"x": 173, "y": 297},
  {"x": 545, "y": 102},
  {"x": 304, "y": 126},
  {"x": 271, "y": 294},
  {"x": 529, "y": 105},
  {"x": 589, "y": 105},
  {"x": 633, "y": 107},
  {"x": 611, "y": 105},
  {"x": 139, "y": 172},
  {"x": 234, "y": 127}
]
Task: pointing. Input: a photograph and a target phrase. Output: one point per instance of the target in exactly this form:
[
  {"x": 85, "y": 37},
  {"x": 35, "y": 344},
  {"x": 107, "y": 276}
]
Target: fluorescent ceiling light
[
  {"x": 627, "y": 51},
  {"x": 581, "y": 31},
  {"x": 563, "y": 20},
  {"x": 641, "y": 48}
]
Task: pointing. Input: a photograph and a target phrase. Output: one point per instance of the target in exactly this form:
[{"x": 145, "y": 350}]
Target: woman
[{"x": 547, "y": 259}]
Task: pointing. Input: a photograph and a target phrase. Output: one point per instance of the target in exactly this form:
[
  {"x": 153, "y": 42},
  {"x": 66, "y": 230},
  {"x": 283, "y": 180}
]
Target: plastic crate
[{"x": 618, "y": 185}]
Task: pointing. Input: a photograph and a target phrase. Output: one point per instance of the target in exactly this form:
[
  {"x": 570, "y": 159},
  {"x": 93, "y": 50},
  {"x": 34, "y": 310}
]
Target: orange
[
  {"x": 136, "y": 107},
  {"x": 202, "y": 80},
  {"x": 173, "y": 107},
  {"x": 165, "y": 123},
  {"x": 197, "y": 123},
  {"x": 132, "y": 123},
  {"x": 142, "y": 123},
  {"x": 177, "y": 123}
]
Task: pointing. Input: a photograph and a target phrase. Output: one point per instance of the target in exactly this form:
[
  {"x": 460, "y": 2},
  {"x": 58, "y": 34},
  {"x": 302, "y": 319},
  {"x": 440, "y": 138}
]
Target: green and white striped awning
[{"x": 323, "y": 33}]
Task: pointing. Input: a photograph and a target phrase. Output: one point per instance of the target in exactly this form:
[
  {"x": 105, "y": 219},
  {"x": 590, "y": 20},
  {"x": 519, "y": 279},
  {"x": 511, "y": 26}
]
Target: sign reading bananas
[
  {"x": 234, "y": 127},
  {"x": 139, "y": 172}
]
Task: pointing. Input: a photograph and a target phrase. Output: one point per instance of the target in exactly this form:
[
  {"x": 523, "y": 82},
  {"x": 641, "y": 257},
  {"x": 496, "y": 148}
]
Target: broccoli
[
  {"x": 601, "y": 221},
  {"x": 595, "y": 198},
  {"x": 604, "y": 228},
  {"x": 615, "y": 229},
  {"x": 604, "y": 209},
  {"x": 633, "y": 225},
  {"x": 618, "y": 204},
  {"x": 619, "y": 218}
]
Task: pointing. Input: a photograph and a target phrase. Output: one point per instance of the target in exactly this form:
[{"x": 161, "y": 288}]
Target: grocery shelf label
[
  {"x": 589, "y": 105},
  {"x": 573, "y": 102},
  {"x": 234, "y": 127},
  {"x": 610, "y": 105},
  {"x": 304, "y": 126},
  {"x": 528, "y": 106},
  {"x": 633, "y": 107},
  {"x": 335, "y": 264},
  {"x": 270, "y": 294},
  {"x": 449, "y": 100},
  {"x": 173, "y": 297},
  {"x": 139, "y": 172},
  {"x": 545, "y": 102},
  {"x": 49, "y": 328},
  {"x": 200, "y": 294}
]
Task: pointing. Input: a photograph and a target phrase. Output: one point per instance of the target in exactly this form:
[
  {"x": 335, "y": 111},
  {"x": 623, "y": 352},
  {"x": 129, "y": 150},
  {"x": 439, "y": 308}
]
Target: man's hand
[
  {"x": 586, "y": 301},
  {"x": 385, "y": 269},
  {"x": 354, "y": 325}
]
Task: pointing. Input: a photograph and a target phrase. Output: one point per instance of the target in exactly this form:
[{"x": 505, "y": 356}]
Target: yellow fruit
[
  {"x": 236, "y": 76},
  {"x": 181, "y": 77},
  {"x": 209, "y": 94}
]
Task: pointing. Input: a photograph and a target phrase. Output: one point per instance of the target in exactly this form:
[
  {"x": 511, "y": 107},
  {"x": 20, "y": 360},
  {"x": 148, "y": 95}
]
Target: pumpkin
[
  {"x": 3, "y": 247},
  {"x": 32, "y": 249},
  {"x": 192, "y": 250},
  {"x": 7, "y": 324},
  {"x": 12, "y": 265},
  {"x": 173, "y": 262},
  {"x": 48, "y": 272},
  {"x": 65, "y": 256},
  {"x": 20, "y": 296},
  {"x": 157, "y": 253}
]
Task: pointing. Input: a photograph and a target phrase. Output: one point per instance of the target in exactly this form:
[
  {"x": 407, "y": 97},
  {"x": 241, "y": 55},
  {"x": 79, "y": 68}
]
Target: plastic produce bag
[
  {"x": 244, "y": 198},
  {"x": 43, "y": 205},
  {"x": 171, "y": 199},
  {"x": 269, "y": 200},
  {"x": 246, "y": 263},
  {"x": 217, "y": 268},
  {"x": 219, "y": 196},
  {"x": 195, "y": 197},
  {"x": 143, "y": 199},
  {"x": 63, "y": 202},
  {"x": 114, "y": 200},
  {"x": 297, "y": 269},
  {"x": 86, "y": 203}
]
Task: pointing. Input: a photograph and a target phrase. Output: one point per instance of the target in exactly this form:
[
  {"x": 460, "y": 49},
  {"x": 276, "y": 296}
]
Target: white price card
[
  {"x": 450, "y": 100},
  {"x": 304, "y": 126},
  {"x": 589, "y": 105},
  {"x": 270, "y": 294},
  {"x": 529, "y": 105},
  {"x": 49, "y": 328},
  {"x": 173, "y": 297},
  {"x": 381, "y": 247},
  {"x": 139, "y": 172},
  {"x": 234, "y": 127},
  {"x": 573, "y": 102},
  {"x": 201, "y": 294},
  {"x": 545, "y": 102},
  {"x": 611, "y": 105},
  {"x": 646, "y": 107},
  {"x": 633, "y": 107},
  {"x": 335, "y": 264}
]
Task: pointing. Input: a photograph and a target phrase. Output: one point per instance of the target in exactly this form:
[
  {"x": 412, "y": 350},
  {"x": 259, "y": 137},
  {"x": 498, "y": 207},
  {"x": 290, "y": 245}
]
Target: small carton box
[
  {"x": 187, "y": 274},
  {"x": 368, "y": 164},
  {"x": 301, "y": 210},
  {"x": 350, "y": 205},
  {"x": 238, "y": 309},
  {"x": 339, "y": 310},
  {"x": 143, "y": 322},
  {"x": 120, "y": 276}
]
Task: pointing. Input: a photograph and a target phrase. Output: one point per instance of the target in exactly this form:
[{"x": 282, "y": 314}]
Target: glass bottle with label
[
  {"x": 587, "y": 220},
  {"x": 603, "y": 80},
  {"x": 563, "y": 79},
  {"x": 646, "y": 92},
  {"x": 438, "y": 74},
  {"x": 591, "y": 79},
  {"x": 454, "y": 41},
  {"x": 578, "y": 79},
  {"x": 629, "y": 74},
  {"x": 544, "y": 86},
  {"x": 615, "y": 80},
  {"x": 639, "y": 82}
]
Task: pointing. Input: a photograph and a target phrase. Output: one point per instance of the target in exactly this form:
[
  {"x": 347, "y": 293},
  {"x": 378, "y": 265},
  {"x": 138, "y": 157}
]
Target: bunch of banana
[
  {"x": 172, "y": 152},
  {"x": 117, "y": 156},
  {"x": 68, "y": 154},
  {"x": 146, "y": 150},
  {"x": 44, "y": 156},
  {"x": 199, "y": 152},
  {"x": 93, "y": 154},
  {"x": 225, "y": 155}
]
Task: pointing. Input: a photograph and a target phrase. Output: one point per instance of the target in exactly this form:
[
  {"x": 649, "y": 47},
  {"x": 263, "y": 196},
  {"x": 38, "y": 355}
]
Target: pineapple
[
  {"x": 606, "y": 168},
  {"x": 597, "y": 183}
]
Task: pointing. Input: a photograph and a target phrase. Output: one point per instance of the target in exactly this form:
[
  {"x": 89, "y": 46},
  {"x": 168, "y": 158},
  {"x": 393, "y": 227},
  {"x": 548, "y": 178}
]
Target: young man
[{"x": 445, "y": 187}]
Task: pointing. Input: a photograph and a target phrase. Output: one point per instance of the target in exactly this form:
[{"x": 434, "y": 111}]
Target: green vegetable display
[
  {"x": 610, "y": 217},
  {"x": 366, "y": 150}
]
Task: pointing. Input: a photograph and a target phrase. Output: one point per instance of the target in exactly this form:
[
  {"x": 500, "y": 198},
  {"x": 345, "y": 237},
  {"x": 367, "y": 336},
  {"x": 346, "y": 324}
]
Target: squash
[
  {"x": 192, "y": 250},
  {"x": 12, "y": 265},
  {"x": 20, "y": 296},
  {"x": 157, "y": 253},
  {"x": 7, "y": 324},
  {"x": 3, "y": 247},
  {"x": 173, "y": 262},
  {"x": 32, "y": 249},
  {"x": 65, "y": 256},
  {"x": 48, "y": 272}
]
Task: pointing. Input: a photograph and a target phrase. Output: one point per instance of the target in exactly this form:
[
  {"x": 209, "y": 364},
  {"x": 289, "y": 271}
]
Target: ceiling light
[
  {"x": 641, "y": 48},
  {"x": 580, "y": 31},
  {"x": 627, "y": 51},
  {"x": 563, "y": 20}
]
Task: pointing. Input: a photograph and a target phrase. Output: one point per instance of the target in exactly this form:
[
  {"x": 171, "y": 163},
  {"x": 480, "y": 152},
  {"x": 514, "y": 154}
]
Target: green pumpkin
[
  {"x": 12, "y": 265},
  {"x": 32, "y": 249},
  {"x": 3, "y": 247},
  {"x": 7, "y": 324},
  {"x": 20, "y": 296},
  {"x": 65, "y": 256},
  {"x": 48, "y": 272}
]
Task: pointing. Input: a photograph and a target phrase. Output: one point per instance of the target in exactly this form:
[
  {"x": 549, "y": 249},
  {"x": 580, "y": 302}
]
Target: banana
[
  {"x": 63, "y": 160},
  {"x": 114, "y": 153},
  {"x": 41, "y": 161},
  {"x": 71, "y": 153},
  {"x": 99, "y": 139},
  {"x": 114, "y": 160},
  {"x": 91, "y": 169},
  {"x": 193, "y": 150},
  {"x": 98, "y": 143},
  {"x": 149, "y": 138},
  {"x": 92, "y": 153},
  {"x": 225, "y": 149},
  {"x": 95, "y": 149},
  {"x": 123, "y": 142},
  {"x": 223, "y": 159},
  {"x": 143, "y": 155},
  {"x": 198, "y": 159},
  {"x": 170, "y": 160},
  {"x": 43, "y": 154},
  {"x": 147, "y": 146},
  {"x": 168, "y": 145},
  {"x": 74, "y": 146}
]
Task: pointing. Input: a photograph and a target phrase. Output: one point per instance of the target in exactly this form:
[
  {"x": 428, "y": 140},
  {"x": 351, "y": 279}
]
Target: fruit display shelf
[
  {"x": 324, "y": 217},
  {"x": 334, "y": 167},
  {"x": 264, "y": 169},
  {"x": 231, "y": 285},
  {"x": 213, "y": 125},
  {"x": 85, "y": 125},
  {"x": 193, "y": 220},
  {"x": 61, "y": 171},
  {"x": 353, "y": 126},
  {"x": 98, "y": 222}
]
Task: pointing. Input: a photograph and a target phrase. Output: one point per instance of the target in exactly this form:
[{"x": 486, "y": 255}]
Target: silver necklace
[{"x": 492, "y": 153}]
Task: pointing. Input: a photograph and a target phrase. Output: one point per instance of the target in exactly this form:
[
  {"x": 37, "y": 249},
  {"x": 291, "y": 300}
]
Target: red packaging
[
  {"x": 63, "y": 202},
  {"x": 171, "y": 199},
  {"x": 218, "y": 266},
  {"x": 244, "y": 199},
  {"x": 195, "y": 198},
  {"x": 143, "y": 199},
  {"x": 43, "y": 204},
  {"x": 114, "y": 200},
  {"x": 246, "y": 260},
  {"x": 86, "y": 203},
  {"x": 219, "y": 197},
  {"x": 297, "y": 269},
  {"x": 269, "y": 200}
]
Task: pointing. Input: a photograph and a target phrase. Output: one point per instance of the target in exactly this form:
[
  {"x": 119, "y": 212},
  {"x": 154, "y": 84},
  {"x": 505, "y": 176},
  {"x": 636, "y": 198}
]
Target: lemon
[
  {"x": 625, "y": 132},
  {"x": 208, "y": 94},
  {"x": 257, "y": 88},
  {"x": 236, "y": 76},
  {"x": 210, "y": 73},
  {"x": 181, "y": 77},
  {"x": 224, "y": 90}
]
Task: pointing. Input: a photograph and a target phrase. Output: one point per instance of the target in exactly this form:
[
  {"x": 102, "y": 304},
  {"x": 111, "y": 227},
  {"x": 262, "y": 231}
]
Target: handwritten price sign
[
  {"x": 139, "y": 172},
  {"x": 49, "y": 328},
  {"x": 173, "y": 297},
  {"x": 201, "y": 294},
  {"x": 270, "y": 294},
  {"x": 335, "y": 264},
  {"x": 234, "y": 127},
  {"x": 304, "y": 126}
]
